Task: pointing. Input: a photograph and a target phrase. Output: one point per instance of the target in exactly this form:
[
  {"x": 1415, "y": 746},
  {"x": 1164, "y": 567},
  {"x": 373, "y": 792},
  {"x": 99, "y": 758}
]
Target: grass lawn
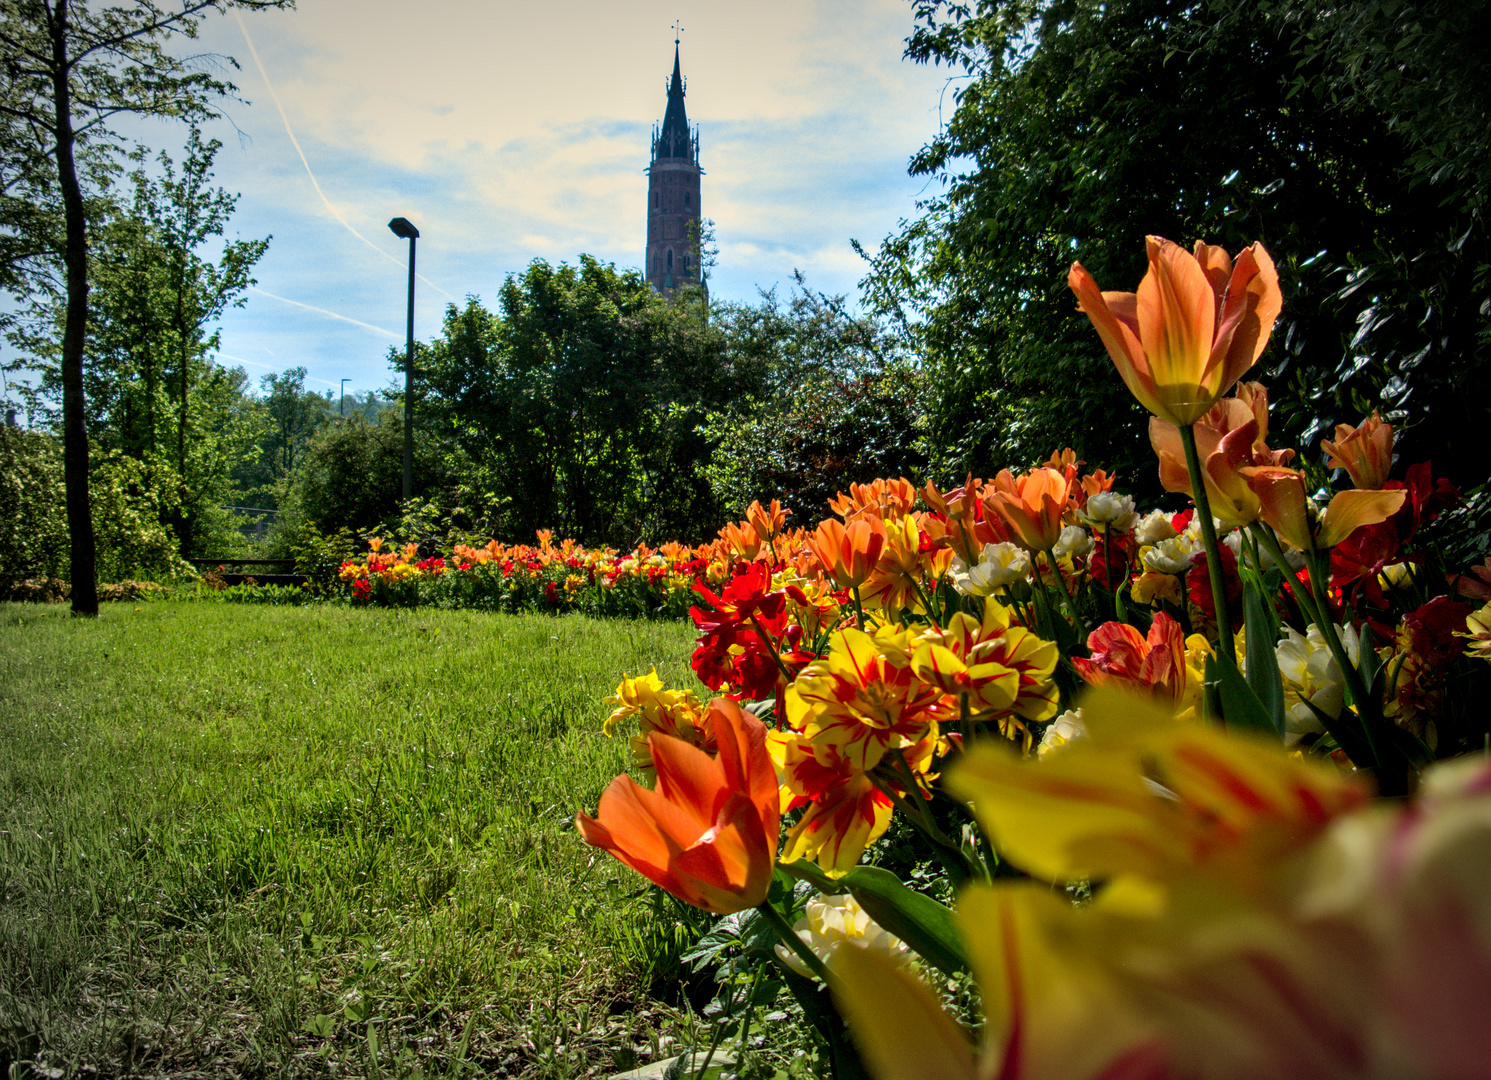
[{"x": 242, "y": 840}]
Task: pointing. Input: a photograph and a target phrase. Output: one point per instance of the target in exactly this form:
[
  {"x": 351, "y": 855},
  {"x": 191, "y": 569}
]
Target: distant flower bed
[{"x": 646, "y": 582}]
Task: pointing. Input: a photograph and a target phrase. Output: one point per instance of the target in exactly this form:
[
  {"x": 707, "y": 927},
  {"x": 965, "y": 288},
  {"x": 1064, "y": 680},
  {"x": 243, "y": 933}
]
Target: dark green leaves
[{"x": 918, "y": 920}]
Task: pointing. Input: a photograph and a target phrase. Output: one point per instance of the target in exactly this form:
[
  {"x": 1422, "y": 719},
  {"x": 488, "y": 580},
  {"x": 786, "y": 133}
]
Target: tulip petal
[
  {"x": 1177, "y": 315},
  {"x": 1281, "y": 495},
  {"x": 1115, "y": 317},
  {"x": 1251, "y": 306},
  {"x": 896, "y": 1022},
  {"x": 730, "y": 865},
  {"x": 643, "y": 831},
  {"x": 686, "y": 775},
  {"x": 1164, "y": 437},
  {"x": 744, "y": 759},
  {"x": 1350, "y": 510}
]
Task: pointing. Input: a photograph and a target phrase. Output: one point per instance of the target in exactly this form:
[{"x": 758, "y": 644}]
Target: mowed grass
[{"x": 254, "y": 841}]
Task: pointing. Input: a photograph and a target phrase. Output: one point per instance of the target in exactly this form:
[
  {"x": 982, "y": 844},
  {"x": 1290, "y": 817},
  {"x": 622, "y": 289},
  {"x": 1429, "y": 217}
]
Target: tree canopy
[{"x": 1081, "y": 126}]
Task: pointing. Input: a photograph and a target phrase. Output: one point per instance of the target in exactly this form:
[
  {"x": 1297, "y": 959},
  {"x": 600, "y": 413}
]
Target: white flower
[
  {"x": 829, "y": 921},
  {"x": 1154, "y": 527},
  {"x": 1172, "y": 556},
  {"x": 1000, "y": 565},
  {"x": 1074, "y": 540},
  {"x": 1310, "y": 673},
  {"x": 1063, "y": 729},
  {"x": 1115, "y": 511},
  {"x": 1233, "y": 540}
]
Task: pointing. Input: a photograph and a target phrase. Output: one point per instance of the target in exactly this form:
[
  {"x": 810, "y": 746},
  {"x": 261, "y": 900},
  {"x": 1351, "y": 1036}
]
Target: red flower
[
  {"x": 1358, "y": 560},
  {"x": 1198, "y": 578},
  {"x": 1153, "y": 665},
  {"x": 741, "y": 614}
]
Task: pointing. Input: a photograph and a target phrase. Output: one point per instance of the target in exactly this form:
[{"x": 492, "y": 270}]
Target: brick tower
[{"x": 673, "y": 195}]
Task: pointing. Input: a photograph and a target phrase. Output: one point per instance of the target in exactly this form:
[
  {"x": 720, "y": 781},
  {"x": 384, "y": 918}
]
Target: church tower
[{"x": 673, "y": 195}]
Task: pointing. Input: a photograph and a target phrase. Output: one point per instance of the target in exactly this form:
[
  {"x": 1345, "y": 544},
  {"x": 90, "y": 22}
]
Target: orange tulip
[
  {"x": 887, "y": 499},
  {"x": 848, "y": 552},
  {"x": 1031, "y": 506},
  {"x": 768, "y": 523},
  {"x": 1281, "y": 494},
  {"x": 742, "y": 539},
  {"x": 1197, "y": 324},
  {"x": 708, "y": 833},
  {"x": 1229, "y": 438},
  {"x": 1365, "y": 452}
]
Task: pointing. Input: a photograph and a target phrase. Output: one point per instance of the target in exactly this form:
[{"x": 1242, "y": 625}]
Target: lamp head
[{"x": 403, "y": 228}]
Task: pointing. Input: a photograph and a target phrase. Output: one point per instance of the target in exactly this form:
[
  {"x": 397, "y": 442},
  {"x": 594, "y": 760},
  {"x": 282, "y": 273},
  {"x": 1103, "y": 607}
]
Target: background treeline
[{"x": 1352, "y": 140}]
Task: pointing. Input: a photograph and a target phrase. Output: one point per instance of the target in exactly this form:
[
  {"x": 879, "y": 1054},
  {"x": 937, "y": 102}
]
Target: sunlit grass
[{"x": 248, "y": 840}]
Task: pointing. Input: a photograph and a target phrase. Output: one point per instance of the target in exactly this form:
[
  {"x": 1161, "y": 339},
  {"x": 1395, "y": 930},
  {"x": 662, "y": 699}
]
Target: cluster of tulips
[
  {"x": 547, "y": 577},
  {"x": 1183, "y": 770}
]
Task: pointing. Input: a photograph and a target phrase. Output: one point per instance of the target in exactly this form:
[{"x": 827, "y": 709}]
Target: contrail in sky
[
  {"x": 314, "y": 182},
  {"x": 328, "y": 314}
]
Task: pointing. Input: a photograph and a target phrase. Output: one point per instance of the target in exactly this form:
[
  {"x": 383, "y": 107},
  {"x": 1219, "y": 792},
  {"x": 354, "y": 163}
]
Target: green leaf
[
  {"x": 1241, "y": 708},
  {"x": 921, "y": 922},
  {"x": 1263, "y": 660}
]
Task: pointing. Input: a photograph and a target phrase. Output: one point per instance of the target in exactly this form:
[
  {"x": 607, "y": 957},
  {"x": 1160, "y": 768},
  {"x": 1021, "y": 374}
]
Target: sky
[{"x": 509, "y": 132}]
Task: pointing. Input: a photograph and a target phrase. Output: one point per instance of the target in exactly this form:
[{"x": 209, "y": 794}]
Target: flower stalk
[{"x": 1209, "y": 539}]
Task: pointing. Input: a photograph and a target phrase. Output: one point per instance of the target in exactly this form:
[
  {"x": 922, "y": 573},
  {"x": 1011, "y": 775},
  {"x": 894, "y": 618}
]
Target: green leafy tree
[
  {"x": 66, "y": 70},
  {"x": 580, "y": 403},
  {"x": 295, "y": 415},
  {"x": 1081, "y": 126},
  {"x": 840, "y": 402},
  {"x": 151, "y": 387}
]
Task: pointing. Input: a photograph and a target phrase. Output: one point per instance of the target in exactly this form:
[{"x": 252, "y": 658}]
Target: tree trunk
[
  {"x": 74, "y": 335},
  {"x": 181, "y": 521}
]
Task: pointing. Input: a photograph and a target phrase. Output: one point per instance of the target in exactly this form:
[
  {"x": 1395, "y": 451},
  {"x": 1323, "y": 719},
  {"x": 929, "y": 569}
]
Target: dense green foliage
[
  {"x": 840, "y": 402},
  {"x": 33, "y": 526},
  {"x": 1082, "y": 126},
  {"x": 577, "y": 403}
]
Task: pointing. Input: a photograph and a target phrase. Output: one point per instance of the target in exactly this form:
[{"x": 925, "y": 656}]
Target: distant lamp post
[
  {"x": 343, "y": 408},
  {"x": 404, "y": 229}
]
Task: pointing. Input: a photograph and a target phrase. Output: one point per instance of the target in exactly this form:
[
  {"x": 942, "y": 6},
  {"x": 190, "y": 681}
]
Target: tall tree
[
  {"x": 68, "y": 69},
  {"x": 1082, "y": 125}
]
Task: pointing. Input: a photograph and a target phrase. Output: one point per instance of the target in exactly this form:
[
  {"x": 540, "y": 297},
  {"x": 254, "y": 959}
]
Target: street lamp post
[
  {"x": 404, "y": 229},
  {"x": 343, "y": 404}
]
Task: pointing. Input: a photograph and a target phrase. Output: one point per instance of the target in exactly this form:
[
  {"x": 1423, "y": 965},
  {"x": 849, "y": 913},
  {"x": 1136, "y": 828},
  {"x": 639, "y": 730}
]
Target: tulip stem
[
  {"x": 1107, "y": 553},
  {"x": 1077, "y": 621},
  {"x": 949, "y": 852},
  {"x": 1313, "y": 600},
  {"x": 791, "y": 940},
  {"x": 1209, "y": 538}
]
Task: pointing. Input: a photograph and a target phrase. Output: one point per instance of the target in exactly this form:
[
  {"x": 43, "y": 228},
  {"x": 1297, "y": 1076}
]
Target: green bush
[{"x": 33, "y": 518}]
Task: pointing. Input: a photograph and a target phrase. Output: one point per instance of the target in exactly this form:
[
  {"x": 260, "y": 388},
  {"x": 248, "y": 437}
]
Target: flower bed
[{"x": 1140, "y": 748}]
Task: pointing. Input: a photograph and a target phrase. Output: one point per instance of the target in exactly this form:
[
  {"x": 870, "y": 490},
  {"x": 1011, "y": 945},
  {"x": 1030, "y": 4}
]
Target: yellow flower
[
  {"x": 1478, "y": 629},
  {"x": 861, "y": 700},
  {"x": 676, "y": 713},
  {"x": 830, "y": 923}
]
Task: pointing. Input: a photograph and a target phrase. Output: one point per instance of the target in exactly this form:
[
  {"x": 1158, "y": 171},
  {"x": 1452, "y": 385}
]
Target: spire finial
[{"x": 677, "y": 29}]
